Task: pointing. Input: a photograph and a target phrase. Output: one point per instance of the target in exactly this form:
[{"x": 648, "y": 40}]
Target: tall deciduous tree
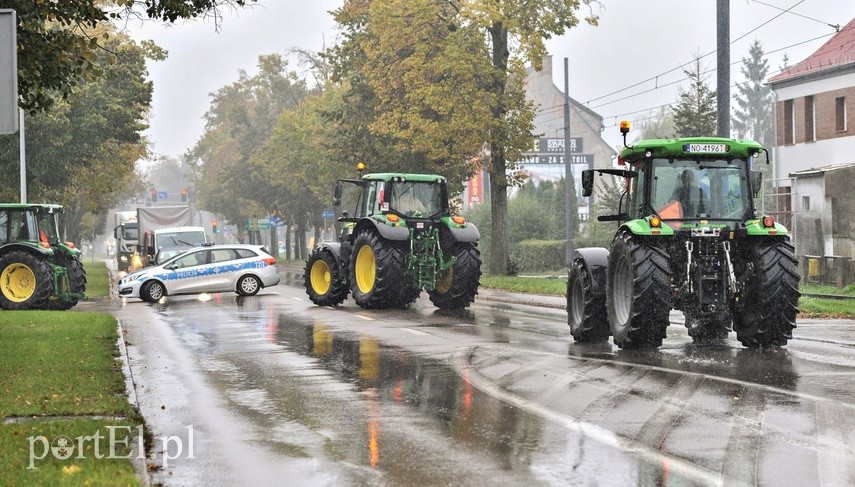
[
  {"x": 659, "y": 125},
  {"x": 444, "y": 56},
  {"x": 57, "y": 45},
  {"x": 695, "y": 112},
  {"x": 753, "y": 115},
  {"x": 82, "y": 153}
]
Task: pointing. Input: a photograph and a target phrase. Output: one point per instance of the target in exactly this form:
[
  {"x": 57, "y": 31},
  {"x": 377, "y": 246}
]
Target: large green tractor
[
  {"x": 37, "y": 270},
  {"x": 689, "y": 238},
  {"x": 397, "y": 238}
]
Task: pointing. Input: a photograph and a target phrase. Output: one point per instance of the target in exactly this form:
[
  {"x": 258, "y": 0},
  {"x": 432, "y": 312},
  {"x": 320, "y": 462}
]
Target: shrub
[{"x": 540, "y": 255}]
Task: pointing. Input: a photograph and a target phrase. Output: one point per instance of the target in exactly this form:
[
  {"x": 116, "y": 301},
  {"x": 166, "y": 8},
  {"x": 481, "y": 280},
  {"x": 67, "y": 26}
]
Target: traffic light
[
  {"x": 184, "y": 193},
  {"x": 214, "y": 226},
  {"x": 153, "y": 195}
]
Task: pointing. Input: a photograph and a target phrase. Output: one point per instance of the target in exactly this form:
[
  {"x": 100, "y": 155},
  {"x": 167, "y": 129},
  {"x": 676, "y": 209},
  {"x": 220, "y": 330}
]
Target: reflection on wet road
[{"x": 278, "y": 389}]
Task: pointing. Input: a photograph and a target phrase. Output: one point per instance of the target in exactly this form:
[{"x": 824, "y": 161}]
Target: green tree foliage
[
  {"x": 753, "y": 117},
  {"x": 82, "y": 153},
  {"x": 429, "y": 82},
  {"x": 228, "y": 161},
  {"x": 58, "y": 47},
  {"x": 695, "y": 112}
]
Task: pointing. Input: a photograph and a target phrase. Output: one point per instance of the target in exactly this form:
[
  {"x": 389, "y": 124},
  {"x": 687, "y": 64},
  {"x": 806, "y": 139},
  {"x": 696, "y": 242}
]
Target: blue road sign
[
  {"x": 328, "y": 214},
  {"x": 162, "y": 195}
]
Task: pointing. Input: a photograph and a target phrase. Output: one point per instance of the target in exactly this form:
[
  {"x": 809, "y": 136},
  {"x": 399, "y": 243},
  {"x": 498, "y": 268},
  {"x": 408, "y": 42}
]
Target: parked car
[{"x": 242, "y": 269}]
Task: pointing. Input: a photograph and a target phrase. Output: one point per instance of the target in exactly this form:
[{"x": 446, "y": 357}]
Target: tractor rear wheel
[
  {"x": 456, "y": 288},
  {"x": 76, "y": 284},
  {"x": 586, "y": 312},
  {"x": 26, "y": 281},
  {"x": 324, "y": 279},
  {"x": 768, "y": 312},
  {"x": 638, "y": 293},
  {"x": 377, "y": 271}
]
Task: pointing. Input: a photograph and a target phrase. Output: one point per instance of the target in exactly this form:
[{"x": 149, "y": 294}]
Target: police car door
[
  {"x": 189, "y": 274},
  {"x": 225, "y": 270}
]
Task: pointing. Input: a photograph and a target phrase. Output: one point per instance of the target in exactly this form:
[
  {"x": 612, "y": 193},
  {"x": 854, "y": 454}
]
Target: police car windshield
[{"x": 180, "y": 240}]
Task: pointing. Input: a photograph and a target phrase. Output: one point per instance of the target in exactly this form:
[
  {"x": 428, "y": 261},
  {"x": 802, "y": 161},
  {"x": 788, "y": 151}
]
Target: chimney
[{"x": 547, "y": 66}]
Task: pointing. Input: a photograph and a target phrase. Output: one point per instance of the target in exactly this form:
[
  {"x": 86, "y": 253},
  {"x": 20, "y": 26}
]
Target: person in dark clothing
[{"x": 690, "y": 195}]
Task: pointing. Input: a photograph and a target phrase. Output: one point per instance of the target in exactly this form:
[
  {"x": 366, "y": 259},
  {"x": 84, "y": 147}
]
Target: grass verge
[
  {"x": 58, "y": 376},
  {"x": 97, "y": 279},
  {"x": 808, "y": 307}
]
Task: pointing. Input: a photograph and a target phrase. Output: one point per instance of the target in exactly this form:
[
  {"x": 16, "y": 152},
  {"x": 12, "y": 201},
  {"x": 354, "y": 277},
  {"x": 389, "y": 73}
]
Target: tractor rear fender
[
  {"x": 467, "y": 233},
  {"x": 595, "y": 261},
  {"x": 37, "y": 250},
  {"x": 388, "y": 232},
  {"x": 333, "y": 247}
]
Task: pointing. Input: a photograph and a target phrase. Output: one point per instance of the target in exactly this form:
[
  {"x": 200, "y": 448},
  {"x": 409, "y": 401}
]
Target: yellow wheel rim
[
  {"x": 366, "y": 269},
  {"x": 18, "y": 282},
  {"x": 443, "y": 283},
  {"x": 320, "y": 277}
]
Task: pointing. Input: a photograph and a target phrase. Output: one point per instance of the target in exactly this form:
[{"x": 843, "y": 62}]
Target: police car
[{"x": 242, "y": 269}]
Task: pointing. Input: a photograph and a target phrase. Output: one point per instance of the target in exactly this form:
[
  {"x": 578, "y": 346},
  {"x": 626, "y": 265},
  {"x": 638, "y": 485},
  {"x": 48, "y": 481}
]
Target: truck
[
  {"x": 38, "y": 270},
  {"x": 166, "y": 231},
  {"x": 398, "y": 237},
  {"x": 126, "y": 232},
  {"x": 689, "y": 237}
]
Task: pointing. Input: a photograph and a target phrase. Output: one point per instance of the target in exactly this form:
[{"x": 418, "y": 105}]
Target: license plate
[{"x": 706, "y": 148}]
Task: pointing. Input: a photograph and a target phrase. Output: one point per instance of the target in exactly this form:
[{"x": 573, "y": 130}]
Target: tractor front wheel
[
  {"x": 767, "y": 314},
  {"x": 586, "y": 312},
  {"x": 26, "y": 281},
  {"x": 76, "y": 284},
  {"x": 324, "y": 279},
  {"x": 456, "y": 288},
  {"x": 377, "y": 272},
  {"x": 638, "y": 293}
]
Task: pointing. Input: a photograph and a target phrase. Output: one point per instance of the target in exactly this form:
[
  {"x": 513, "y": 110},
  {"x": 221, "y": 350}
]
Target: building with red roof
[{"x": 815, "y": 144}]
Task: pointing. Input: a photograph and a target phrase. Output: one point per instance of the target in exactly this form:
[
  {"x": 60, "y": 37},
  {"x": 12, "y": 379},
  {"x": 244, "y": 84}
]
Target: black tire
[
  {"x": 586, "y": 312},
  {"x": 248, "y": 285},
  {"x": 325, "y": 280},
  {"x": 410, "y": 295},
  {"x": 638, "y": 292},
  {"x": 767, "y": 315},
  {"x": 76, "y": 283},
  {"x": 26, "y": 281},
  {"x": 152, "y": 291},
  {"x": 459, "y": 286},
  {"x": 377, "y": 272}
]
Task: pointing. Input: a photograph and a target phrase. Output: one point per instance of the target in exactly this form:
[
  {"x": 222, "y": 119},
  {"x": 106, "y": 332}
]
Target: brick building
[{"x": 815, "y": 143}]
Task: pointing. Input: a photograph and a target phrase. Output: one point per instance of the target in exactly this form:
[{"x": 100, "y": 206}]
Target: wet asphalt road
[{"x": 272, "y": 390}]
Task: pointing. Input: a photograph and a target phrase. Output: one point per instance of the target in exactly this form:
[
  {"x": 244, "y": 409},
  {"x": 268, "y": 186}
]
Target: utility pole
[
  {"x": 723, "y": 67},
  {"x": 570, "y": 218}
]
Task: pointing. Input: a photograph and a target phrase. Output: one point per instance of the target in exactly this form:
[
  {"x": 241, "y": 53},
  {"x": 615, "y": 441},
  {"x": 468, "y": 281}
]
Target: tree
[
  {"x": 58, "y": 48},
  {"x": 695, "y": 112},
  {"x": 455, "y": 42},
  {"x": 753, "y": 116},
  {"x": 82, "y": 152},
  {"x": 659, "y": 125}
]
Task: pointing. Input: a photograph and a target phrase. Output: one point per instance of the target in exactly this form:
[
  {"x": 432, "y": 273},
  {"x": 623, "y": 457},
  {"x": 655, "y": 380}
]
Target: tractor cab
[{"x": 418, "y": 196}]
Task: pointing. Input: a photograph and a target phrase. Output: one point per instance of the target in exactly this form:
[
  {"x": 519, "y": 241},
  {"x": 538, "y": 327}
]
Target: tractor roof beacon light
[
  {"x": 624, "y": 129},
  {"x": 360, "y": 167}
]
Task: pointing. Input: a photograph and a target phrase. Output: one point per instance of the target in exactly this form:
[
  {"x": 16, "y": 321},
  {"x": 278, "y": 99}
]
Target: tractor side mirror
[
  {"x": 337, "y": 196},
  {"x": 587, "y": 182},
  {"x": 757, "y": 182}
]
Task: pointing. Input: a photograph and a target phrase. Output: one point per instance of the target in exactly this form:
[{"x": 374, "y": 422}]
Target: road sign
[
  {"x": 328, "y": 214},
  {"x": 8, "y": 72},
  {"x": 556, "y": 159},
  {"x": 162, "y": 195}
]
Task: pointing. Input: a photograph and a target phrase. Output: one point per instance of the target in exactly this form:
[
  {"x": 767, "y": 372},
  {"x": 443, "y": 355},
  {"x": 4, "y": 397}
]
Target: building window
[
  {"x": 805, "y": 203},
  {"x": 810, "y": 120},
  {"x": 840, "y": 113},
  {"x": 789, "y": 128}
]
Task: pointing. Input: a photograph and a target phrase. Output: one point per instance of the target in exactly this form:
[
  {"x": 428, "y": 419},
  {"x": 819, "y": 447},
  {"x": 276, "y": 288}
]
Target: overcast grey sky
[{"x": 637, "y": 40}]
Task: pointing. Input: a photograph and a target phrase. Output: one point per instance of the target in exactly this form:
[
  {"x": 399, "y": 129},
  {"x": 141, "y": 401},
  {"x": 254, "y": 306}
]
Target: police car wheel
[
  {"x": 248, "y": 286},
  {"x": 152, "y": 291}
]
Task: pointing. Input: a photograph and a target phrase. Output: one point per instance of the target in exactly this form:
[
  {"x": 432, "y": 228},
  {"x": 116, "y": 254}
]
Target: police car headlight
[{"x": 131, "y": 278}]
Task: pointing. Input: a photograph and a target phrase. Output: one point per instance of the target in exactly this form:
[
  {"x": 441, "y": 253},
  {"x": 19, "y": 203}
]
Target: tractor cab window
[
  {"x": 683, "y": 189},
  {"x": 352, "y": 197},
  {"x": 4, "y": 227},
  {"x": 634, "y": 203},
  {"x": 47, "y": 227},
  {"x": 416, "y": 199},
  {"x": 23, "y": 225}
]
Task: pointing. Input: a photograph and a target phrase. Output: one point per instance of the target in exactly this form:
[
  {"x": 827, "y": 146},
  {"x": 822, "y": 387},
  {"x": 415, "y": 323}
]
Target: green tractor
[
  {"x": 689, "y": 238},
  {"x": 398, "y": 237},
  {"x": 37, "y": 270}
]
